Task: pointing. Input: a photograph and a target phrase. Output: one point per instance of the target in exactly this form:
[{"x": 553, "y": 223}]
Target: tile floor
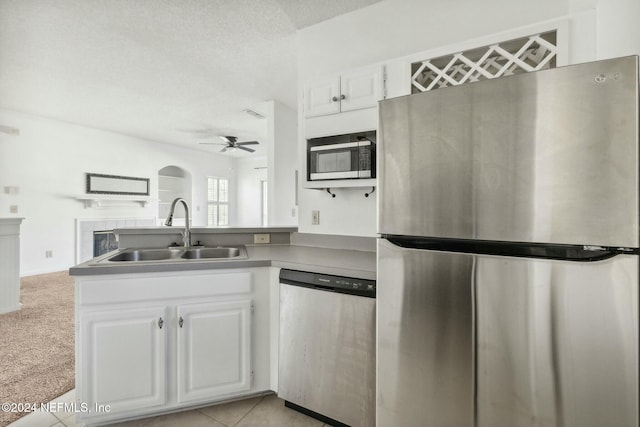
[{"x": 258, "y": 411}]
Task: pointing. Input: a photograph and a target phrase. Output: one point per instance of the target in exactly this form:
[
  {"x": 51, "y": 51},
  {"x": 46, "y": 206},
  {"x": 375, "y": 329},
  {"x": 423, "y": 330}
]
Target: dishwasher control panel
[{"x": 348, "y": 285}]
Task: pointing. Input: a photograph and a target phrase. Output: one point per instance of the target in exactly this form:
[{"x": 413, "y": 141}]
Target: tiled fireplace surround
[{"x": 86, "y": 227}]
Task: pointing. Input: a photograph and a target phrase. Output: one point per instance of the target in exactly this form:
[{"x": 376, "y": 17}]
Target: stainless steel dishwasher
[{"x": 327, "y": 347}]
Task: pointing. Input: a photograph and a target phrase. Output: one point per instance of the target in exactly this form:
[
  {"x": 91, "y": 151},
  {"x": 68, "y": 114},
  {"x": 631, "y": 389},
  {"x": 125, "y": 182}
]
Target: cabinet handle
[
  {"x": 343, "y": 96},
  {"x": 160, "y": 323},
  {"x": 334, "y": 99},
  {"x": 181, "y": 321}
]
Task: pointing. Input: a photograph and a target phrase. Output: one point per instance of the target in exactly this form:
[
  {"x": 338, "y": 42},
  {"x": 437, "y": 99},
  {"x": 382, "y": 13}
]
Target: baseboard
[
  {"x": 10, "y": 309},
  {"x": 43, "y": 271}
]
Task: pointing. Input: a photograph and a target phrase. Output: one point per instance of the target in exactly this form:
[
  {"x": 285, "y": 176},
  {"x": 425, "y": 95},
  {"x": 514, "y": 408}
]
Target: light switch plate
[
  {"x": 315, "y": 217},
  {"x": 261, "y": 238}
]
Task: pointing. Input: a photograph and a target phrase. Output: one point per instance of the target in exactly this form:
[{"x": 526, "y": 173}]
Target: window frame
[{"x": 215, "y": 202}]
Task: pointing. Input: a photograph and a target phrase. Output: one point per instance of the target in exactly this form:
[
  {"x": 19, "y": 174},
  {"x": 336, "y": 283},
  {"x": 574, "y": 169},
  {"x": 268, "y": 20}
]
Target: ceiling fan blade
[
  {"x": 240, "y": 147},
  {"x": 223, "y": 149},
  {"x": 212, "y": 143},
  {"x": 248, "y": 143},
  {"x": 201, "y": 131},
  {"x": 231, "y": 139}
]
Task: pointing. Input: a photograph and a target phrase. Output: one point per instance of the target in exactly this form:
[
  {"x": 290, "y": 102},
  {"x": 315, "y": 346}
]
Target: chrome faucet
[{"x": 186, "y": 236}]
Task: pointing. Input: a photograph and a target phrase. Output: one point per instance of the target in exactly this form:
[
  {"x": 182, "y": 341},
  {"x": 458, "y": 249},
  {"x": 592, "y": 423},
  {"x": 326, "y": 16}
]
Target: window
[{"x": 217, "y": 201}]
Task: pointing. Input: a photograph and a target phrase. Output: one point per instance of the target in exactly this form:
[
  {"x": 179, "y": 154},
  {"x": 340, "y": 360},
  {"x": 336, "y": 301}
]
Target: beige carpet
[{"x": 36, "y": 343}]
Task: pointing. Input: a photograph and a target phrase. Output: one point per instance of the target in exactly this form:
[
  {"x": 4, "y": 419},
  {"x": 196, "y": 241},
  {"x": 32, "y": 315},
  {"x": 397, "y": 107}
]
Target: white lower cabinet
[
  {"x": 124, "y": 366},
  {"x": 150, "y": 343},
  {"x": 214, "y": 349}
]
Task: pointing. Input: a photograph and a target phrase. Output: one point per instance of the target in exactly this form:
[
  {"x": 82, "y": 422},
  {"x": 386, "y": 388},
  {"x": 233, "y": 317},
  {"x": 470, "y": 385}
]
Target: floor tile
[
  {"x": 230, "y": 413},
  {"x": 72, "y": 422},
  {"x": 134, "y": 423},
  {"x": 192, "y": 418},
  {"x": 66, "y": 417},
  {"x": 36, "y": 419},
  {"x": 65, "y": 413},
  {"x": 272, "y": 412}
]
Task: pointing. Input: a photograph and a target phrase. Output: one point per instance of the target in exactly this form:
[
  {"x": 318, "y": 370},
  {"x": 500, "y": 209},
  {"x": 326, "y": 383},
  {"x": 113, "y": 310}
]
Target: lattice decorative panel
[{"x": 536, "y": 52}]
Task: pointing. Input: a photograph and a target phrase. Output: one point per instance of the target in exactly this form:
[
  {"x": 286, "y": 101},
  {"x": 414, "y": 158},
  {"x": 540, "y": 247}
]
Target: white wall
[
  {"x": 48, "y": 162},
  {"x": 250, "y": 172},
  {"x": 617, "y": 28},
  {"x": 283, "y": 162},
  {"x": 393, "y": 29}
]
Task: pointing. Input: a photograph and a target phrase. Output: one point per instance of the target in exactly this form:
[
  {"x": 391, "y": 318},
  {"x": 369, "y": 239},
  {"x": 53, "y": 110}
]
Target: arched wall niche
[{"x": 173, "y": 182}]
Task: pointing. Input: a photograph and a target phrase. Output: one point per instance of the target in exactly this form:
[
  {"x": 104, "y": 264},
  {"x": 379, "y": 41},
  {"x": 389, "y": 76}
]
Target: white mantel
[
  {"x": 10, "y": 264},
  {"x": 86, "y": 226}
]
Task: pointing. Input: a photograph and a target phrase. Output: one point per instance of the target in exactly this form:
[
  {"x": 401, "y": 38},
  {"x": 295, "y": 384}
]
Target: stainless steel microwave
[{"x": 342, "y": 157}]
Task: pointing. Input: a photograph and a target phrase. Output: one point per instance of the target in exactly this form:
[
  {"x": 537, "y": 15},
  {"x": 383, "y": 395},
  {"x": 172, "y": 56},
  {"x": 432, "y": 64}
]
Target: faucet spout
[{"x": 186, "y": 236}]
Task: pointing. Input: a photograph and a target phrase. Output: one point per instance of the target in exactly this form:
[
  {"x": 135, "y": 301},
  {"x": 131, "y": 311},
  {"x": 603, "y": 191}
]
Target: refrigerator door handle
[
  {"x": 618, "y": 250},
  {"x": 577, "y": 253}
]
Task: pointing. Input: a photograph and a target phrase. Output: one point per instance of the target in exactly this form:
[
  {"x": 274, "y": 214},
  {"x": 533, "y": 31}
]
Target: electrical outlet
[
  {"x": 13, "y": 209},
  {"x": 48, "y": 254},
  {"x": 261, "y": 238},
  {"x": 9, "y": 130},
  {"x": 315, "y": 217},
  {"x": 13, "y": 190}
]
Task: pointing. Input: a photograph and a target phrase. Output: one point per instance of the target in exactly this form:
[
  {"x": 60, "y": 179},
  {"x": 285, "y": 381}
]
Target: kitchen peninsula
[{"x": 157, "y": 336}]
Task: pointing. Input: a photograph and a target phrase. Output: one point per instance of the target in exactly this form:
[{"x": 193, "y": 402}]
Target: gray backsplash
[
  {"x": 152, "y": 239},
  {"x": 333, "y": 241}
]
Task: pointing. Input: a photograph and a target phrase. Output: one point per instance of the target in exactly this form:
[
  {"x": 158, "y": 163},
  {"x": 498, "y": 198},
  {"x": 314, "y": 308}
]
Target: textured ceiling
[{"x": 155, "y": 69}]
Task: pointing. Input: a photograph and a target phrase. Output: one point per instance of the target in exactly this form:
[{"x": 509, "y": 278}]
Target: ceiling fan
[{"x": 231, "y": 143}]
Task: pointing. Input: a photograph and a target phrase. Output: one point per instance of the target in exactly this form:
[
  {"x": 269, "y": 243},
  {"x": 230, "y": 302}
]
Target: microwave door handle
[{"x": 335, "y": 146}]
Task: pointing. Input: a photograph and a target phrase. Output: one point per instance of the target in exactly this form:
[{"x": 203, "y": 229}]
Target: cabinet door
[
  {"x": 124, "y": 365},
  {"x": 322, "y": 97},
  {"x": 214, "y": 354},
  {"x": 361, "y": 88}
]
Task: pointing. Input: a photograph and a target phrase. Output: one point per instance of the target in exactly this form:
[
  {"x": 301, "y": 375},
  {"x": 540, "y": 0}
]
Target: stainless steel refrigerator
[{"x": 508, "y": 258}]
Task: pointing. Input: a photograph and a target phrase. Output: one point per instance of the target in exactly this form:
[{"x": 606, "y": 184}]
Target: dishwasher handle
[{"x": 329, "y": 283}]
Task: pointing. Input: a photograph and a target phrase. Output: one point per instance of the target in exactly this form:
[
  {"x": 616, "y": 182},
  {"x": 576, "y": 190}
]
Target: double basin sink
[{"x": 173, "y": 254}]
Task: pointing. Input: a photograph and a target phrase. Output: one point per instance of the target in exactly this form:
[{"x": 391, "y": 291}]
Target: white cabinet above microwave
[{"x": 348, "y": 91}]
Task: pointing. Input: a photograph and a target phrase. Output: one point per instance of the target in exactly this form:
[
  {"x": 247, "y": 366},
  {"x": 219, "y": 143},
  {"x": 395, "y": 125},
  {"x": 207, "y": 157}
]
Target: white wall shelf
[
  {"x": 367, "y": 186},
  {"x": 113, "y": 201},
  {"x": 341, "y": 183}
]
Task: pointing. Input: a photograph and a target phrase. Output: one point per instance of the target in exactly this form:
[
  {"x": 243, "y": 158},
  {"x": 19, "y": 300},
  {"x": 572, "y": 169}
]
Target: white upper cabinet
[
  {"x": 361, "y": 88},
  {"x": 351, "y": 90},
  {"x": 321, "y": 97}
]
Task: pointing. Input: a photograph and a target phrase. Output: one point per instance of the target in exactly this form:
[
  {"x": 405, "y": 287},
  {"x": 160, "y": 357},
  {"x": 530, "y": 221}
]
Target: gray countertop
[
  {"x": 205, "y": 230},
  {"x": 341, "y": 262}
]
